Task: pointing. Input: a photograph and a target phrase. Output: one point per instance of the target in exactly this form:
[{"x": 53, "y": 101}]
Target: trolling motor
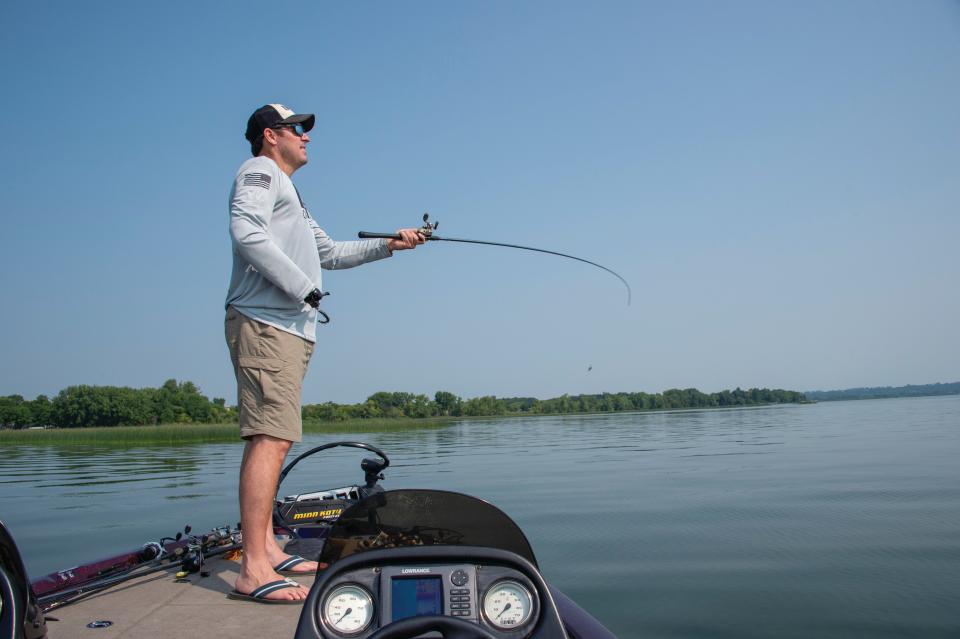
[
  {"x": 372, "y": 473},
  {"x": 310, "y": 515}
]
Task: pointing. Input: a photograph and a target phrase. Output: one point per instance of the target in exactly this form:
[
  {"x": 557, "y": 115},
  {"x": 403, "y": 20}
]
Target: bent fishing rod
[{"x": 427, "y": 232}]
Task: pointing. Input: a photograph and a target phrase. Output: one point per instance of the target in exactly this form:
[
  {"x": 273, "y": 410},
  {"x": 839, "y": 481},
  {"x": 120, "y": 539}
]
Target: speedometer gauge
[
  {"x": 507, "y": 604},
  {"x": 348, "y": 610}
]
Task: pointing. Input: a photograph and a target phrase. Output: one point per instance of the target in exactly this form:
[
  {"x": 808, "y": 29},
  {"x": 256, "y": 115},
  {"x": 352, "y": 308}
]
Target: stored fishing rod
[
  {"x": 427, "y": 231},
  {"x": 189, "y": 554}
]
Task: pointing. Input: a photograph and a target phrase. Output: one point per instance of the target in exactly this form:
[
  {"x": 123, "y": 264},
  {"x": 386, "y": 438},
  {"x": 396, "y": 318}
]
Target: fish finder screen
[{"x": 415, "y": 597}]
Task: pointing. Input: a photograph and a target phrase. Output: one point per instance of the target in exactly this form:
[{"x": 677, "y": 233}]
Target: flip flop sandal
[
  {"x": 259, "y": 595},
  {"x": 285, "y": 567}
]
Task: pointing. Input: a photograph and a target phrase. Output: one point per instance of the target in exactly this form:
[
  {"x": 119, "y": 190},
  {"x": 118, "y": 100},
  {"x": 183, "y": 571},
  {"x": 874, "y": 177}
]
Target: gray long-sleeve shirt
[{"x": 279, "y": 250}]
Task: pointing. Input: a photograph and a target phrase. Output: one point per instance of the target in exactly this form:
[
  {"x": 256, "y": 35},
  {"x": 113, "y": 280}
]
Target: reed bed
[
  {"x": 175, "y": 434},
  {"x": 376, "y": 425}
]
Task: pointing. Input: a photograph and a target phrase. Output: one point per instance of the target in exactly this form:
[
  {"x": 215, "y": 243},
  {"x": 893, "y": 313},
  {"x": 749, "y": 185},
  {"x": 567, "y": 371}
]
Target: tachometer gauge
[
  {"x": 507, "y": 604},
  {"x": 348, "y": 610}
]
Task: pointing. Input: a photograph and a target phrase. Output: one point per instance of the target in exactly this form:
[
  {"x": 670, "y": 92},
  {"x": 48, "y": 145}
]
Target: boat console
[{"x": 409, "y": 562}]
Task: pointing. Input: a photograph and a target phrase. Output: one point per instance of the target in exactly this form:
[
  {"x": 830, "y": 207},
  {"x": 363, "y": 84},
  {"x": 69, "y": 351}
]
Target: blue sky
[{"x": 777, "y": 180}]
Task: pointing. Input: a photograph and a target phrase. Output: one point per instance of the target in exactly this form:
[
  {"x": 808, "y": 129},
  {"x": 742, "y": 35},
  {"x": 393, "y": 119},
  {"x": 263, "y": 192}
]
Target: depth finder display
[{"x": 416, "y": 596}]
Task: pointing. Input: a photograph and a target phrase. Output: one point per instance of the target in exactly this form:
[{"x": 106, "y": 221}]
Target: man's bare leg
[{"x": 263, "y": 456}]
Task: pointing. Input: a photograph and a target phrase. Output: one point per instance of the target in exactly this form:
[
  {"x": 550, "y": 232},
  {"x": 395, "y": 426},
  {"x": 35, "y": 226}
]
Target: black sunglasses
[{"x": 297, "y": 129}]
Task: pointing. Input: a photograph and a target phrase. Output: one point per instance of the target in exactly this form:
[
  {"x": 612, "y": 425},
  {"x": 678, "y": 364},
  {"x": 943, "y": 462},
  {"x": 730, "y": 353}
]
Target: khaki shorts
[{"x": 270, "y": 365}]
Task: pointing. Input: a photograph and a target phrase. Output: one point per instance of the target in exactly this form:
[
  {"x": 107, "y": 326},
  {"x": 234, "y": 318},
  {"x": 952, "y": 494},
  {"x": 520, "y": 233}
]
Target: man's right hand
[{"x": 409, "y": 238}]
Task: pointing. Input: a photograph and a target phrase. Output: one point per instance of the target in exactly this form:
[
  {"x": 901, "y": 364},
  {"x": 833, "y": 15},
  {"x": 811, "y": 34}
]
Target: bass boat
[{"x": 394, "y": 564}]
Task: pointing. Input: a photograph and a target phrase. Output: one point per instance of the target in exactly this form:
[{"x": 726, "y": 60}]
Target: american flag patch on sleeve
[{"x": 256, "y": 179}]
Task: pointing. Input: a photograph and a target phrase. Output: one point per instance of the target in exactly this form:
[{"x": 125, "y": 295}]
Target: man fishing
[{"x": 272, "y": 311}]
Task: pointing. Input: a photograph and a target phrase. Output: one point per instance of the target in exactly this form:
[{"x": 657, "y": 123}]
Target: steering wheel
[{"x": 449, "y": 627}]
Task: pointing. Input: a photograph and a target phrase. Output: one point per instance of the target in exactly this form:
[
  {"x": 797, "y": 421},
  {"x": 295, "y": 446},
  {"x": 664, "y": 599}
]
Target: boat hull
[{"x": 20, "y": 614}]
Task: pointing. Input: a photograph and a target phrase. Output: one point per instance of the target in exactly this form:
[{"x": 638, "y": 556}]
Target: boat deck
[{"x": 158, "y": 606}]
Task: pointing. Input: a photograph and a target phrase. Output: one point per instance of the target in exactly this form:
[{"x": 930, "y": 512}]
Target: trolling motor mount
[
  {"x": 372, "y": 471},
  {"x": 310, "y": 515}
]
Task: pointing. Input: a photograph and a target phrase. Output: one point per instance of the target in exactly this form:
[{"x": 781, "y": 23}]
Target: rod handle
[{"x": 365, "y": 235}]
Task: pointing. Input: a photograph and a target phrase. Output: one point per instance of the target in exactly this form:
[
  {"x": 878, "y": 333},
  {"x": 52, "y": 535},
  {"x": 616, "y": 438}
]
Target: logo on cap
[{"x": 284, "y": 111}]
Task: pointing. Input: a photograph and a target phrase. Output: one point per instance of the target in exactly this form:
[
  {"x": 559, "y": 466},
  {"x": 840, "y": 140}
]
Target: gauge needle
[
  {"x": 348, "y": 611},
  {"x": 505, "y": 608}
]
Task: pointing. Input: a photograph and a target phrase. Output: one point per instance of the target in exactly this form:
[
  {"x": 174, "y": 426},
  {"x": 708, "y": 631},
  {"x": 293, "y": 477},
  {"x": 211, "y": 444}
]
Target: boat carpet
[{"x": 159, "y": 606}]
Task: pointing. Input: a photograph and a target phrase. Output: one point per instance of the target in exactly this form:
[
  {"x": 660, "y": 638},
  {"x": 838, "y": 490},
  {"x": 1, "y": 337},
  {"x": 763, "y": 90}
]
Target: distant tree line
[
  {"x": 83, "y": 405},
  {"x": 446, "y": 404},
  {"x": 879, "y": 392},
  {"x": 182, "y": 402}
]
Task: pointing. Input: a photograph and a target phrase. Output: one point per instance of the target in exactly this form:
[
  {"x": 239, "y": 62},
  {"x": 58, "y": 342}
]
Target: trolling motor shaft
[{"x": 427, "y": 231}]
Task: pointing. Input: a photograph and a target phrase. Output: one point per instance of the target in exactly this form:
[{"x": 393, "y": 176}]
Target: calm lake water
[{"x": 839, "y": 519}]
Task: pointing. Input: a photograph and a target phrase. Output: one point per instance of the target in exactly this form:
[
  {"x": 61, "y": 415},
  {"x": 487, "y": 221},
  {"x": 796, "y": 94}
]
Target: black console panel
[{"x": 383, "y": 592}]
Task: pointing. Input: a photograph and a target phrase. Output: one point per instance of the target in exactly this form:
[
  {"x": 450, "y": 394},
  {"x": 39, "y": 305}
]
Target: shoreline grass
[
  {"x": 176, "y": 434},
  {"x": 180, "y": 434}
]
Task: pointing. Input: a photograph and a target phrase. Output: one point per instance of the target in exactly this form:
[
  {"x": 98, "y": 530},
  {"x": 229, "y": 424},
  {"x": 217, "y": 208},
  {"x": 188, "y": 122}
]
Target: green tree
[
  {"x": 41, "y": 411},
  {"x": 447, "y": 403},
  {"x": 14, "y": 412}
]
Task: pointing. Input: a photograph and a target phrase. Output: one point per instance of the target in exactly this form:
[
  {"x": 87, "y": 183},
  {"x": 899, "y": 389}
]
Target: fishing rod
[
  {"x": 189, "y": 555},
  {"x": 427, "y": 232}
]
